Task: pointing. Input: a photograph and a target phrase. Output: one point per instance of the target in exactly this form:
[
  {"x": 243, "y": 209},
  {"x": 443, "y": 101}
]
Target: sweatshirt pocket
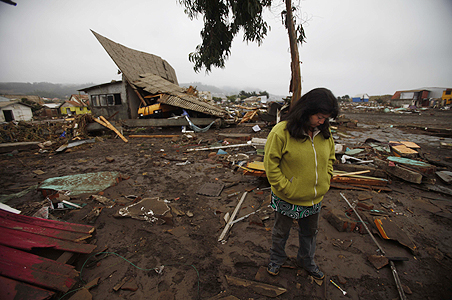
[{"x": 294, "y": 189}]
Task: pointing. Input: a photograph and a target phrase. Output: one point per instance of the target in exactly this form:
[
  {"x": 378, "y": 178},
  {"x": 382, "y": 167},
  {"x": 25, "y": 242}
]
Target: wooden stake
[{"x": 231, "y": 219}]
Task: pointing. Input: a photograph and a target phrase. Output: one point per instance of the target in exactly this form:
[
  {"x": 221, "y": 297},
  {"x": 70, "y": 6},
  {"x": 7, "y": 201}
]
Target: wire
[{"x": 157, "y": 269}]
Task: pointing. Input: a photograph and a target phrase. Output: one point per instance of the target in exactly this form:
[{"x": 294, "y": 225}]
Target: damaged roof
[
  {"x": 155, "y": 76},
  {"x": 132, "y": 63},
  {"x": 175, "y": 95}
]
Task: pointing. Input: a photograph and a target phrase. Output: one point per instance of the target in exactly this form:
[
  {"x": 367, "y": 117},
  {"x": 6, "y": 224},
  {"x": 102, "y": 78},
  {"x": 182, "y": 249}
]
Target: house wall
[
  {"x": 74, "y": 110},
  {"x": 20, "y": 112},
  {"x": 447, "y": 97},
  {"x": 133, "y": 101},
  {"x": 121, "y": 111}
]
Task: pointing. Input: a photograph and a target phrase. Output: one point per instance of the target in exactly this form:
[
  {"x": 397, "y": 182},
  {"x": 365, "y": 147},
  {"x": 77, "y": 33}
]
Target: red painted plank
[
  {"x": 15, "y": 290},
  {"x": 27, "y": 241},
  {"x": 37, "y": 277},
  {"x": 45, "y": 231},
  {"x": 29, "y": 260},
  {"x": 48, "y": 223}
]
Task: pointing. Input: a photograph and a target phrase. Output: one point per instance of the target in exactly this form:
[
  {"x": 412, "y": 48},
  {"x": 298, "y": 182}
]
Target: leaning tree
[{"x": 223, "y": 20}]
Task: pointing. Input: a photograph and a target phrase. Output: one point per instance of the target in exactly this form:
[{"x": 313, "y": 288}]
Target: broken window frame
[{"x": 106, "y": 100}]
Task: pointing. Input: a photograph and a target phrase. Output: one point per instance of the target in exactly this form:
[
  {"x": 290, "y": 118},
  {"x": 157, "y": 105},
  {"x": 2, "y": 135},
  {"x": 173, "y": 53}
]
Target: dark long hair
[{"x": 319, "y": 100}]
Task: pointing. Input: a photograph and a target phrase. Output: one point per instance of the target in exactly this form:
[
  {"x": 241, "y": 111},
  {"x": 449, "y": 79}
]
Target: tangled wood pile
[{"x": 44, "y": 130}]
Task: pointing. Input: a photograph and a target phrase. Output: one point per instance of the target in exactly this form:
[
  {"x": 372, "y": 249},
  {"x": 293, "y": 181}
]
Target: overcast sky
[{"x": 353, "y": 46}]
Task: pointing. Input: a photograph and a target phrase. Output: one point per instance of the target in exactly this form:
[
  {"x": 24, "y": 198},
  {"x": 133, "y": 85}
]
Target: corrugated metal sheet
[
  {"x": 176, "y": 96},
  {"x": 133, "y": 62}
]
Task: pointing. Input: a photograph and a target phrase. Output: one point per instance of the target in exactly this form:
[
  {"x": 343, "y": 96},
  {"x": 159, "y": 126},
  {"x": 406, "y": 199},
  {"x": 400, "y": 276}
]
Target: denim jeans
[{"x": 307, "y": 234}]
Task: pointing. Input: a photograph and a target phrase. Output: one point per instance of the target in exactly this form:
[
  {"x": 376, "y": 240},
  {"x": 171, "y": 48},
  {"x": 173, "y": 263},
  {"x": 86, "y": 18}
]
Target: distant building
[
  {"x": 422, "y": 97},
  {"x": 50, "y": 110},
  {"x": 76, "y": 105},
  {"x": 360, "y": 98},
  {"x": 253, "y": 100},
  {"x": 447, "y": 97},
  {"x": 15, "y": 111}
]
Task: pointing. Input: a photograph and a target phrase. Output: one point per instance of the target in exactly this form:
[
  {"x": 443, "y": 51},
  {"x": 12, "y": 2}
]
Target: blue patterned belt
[{"x": 292, "y": 210}]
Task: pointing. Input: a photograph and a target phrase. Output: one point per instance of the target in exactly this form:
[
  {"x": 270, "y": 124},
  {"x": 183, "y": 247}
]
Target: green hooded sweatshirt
[{"x": 298, "y": 171}]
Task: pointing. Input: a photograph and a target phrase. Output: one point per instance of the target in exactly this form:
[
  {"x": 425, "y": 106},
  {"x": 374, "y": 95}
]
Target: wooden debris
[
  {"x": 403, "y": 173},
  {"x": 375, "y": 172},
  {"x": 410, "y": 144},
  {"x": 12, "y": 289},
  {"x": 82, "y": 294},
  {"x": 120, "y": 284},
  {"x": 389, "y": 230},
  {"x": 48, "y": 223},
  {"x": 104, "y": 122},
  {"x": 249, "y": 116},
  {"x": 350, "y": 173},
  {"x": 404, "y": 151},
  {"x": 36, "y": 270},
  {"x": 445, "y": 176},
  {"x": 378, "y": 261},
  {"x": 417, "y": 165},
  {"x": 153, "y": 136},
  {"x": 231, "y": 219},
  {"x": 361, "y": 181},
  {"x": 259, "y": 288},
  {"x": 49, "y": 232}
]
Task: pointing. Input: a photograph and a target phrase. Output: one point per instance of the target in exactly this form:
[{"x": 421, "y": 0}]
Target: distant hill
[
  {"x": 228, "y": 90},
  {"x": 42, "y": 89},
  {"x": 63, "y": 91}
]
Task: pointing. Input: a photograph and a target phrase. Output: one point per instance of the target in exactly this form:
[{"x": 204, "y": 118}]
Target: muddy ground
[{"x": 195, "y": 264}]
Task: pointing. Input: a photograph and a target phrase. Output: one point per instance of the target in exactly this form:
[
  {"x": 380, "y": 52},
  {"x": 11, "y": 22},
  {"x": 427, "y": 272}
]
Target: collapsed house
[
  {"x": 148, "y": 89},
  {"x": 423, "y": 97}
]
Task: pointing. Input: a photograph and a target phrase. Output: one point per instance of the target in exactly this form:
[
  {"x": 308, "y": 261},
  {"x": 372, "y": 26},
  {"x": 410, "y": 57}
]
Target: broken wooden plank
[
  {"x": 400, "y": 172},
  {"x": 49, "y": 232},
  {"x": 218, "y": 147},
  {"x": 342, "y": 186},
  {"x": 15, "y": 290},
  {"x": 414, "y": 164},
  {"x": 37, "y": 275},
  {"x": 27, "y": 241},
  {"x": 354, "y": 168},
  {"x": 445, "y": 176},
  {"x": 35, "y": 262},
  {"x": 439, "y": 189},
  {"x": 360, "y": 181},
  {"x": 404, "y": 151},
  {"x": 113, "y": 128},
  {"x": 336, "y": 174},
  {"x": 74, "y": 227},
  {"x": 231, "y": 219},
  {"x": 258, "y": 287},
  {"x": 410, "y": 145}
]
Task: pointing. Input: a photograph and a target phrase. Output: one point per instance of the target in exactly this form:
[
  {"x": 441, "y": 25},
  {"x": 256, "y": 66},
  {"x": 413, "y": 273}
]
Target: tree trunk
[{"x": 295, "y": 82}]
